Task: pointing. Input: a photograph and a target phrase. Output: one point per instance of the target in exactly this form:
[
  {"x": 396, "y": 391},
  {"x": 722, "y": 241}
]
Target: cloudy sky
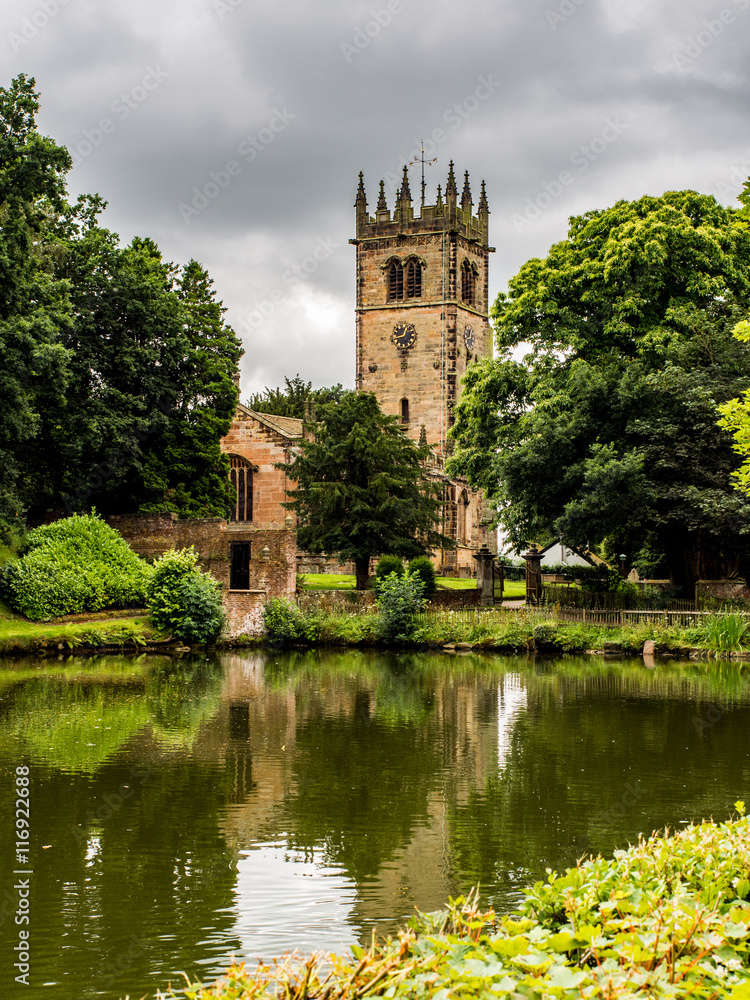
[{"x": 232, "y": 131}]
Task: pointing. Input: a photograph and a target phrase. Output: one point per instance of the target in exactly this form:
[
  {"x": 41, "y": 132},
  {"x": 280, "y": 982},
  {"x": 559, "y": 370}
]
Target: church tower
[
  {"x": 422, "y": 303},
  {"x": 422, "y": 318}
]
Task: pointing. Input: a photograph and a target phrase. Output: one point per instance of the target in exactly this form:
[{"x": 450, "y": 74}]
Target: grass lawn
[
  {"x": 18, "y": 633},
  {"x": 514, "y": 589}
]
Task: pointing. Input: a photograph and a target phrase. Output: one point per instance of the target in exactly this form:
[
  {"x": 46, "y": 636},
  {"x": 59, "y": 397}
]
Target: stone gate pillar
[
  {"x": 533, "y": 576},
  {"x": 485, "y": 576}
]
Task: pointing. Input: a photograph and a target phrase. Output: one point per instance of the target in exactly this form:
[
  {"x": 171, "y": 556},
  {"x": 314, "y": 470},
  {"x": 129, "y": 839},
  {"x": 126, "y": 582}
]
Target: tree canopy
[
  {"x": 606, "y": 432},
  {"x": 118, "y": 369},
  {"x": 362, "y": 489},
  {"x": 295, "y": 399}
]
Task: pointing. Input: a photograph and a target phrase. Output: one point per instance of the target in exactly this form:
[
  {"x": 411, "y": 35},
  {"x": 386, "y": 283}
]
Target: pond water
[{"x": 187, "y": 811}]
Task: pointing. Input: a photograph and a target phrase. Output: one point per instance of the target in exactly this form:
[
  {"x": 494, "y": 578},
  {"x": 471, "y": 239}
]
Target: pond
[{"x": 186, "y": 811}]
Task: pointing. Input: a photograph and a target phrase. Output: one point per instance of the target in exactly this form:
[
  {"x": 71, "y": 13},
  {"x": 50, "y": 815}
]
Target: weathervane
[{"x": 421, "y": 159}]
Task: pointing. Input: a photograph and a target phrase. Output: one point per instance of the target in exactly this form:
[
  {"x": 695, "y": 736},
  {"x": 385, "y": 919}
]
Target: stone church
[{"x": 421, "y": 320}]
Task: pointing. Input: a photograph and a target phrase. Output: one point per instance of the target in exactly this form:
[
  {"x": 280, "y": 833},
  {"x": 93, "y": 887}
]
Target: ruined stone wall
[
  {"x": 273, "y": 551},
  {"x": 263, "y": 448}
]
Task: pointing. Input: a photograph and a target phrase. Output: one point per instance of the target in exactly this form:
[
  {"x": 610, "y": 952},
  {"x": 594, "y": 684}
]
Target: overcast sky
[{"x": 232, "y": 131}]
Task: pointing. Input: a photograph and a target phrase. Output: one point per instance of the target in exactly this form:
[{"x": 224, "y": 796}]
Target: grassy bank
[
  {"x": 19, "y": 635},
  {"x": 668, "y": 918},
  {"x": 521, "y": 630}
]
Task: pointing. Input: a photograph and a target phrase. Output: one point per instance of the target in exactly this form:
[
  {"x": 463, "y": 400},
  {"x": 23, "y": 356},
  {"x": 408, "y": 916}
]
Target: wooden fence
[{"x": 584, "y": 616}]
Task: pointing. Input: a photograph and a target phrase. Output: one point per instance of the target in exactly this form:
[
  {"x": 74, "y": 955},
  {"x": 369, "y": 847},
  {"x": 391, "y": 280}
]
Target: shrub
[
  {"x": 387, "y": 565},
  {"x": 283, "y": 620},
  {"x": 424, "y": 569},
  {"x": 399, "y": 602},
  {"x": 76, "y": 564},
  {"x": 183, "y": 600}
]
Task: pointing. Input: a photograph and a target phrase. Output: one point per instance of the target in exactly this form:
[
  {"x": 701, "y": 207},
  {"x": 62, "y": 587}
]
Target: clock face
[
  {"x": 404, "y": 335},
  {"x": 469, "y": 338}
]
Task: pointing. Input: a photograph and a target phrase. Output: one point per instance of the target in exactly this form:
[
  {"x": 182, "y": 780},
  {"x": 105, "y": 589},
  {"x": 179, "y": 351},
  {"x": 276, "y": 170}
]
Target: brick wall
[
  {"x": 244, "y": 612},
  {"x": 273, "y": 551}
]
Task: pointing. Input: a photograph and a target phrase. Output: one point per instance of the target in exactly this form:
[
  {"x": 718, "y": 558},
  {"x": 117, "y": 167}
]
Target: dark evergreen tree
[{"x": 362, "y": 488}]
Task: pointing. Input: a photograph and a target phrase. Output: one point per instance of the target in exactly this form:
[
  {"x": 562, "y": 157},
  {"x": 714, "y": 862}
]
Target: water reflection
[{"x": 184, "y": 811}]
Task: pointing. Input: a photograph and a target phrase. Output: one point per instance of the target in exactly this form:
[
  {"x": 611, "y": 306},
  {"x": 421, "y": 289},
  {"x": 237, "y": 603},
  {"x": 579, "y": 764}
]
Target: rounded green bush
[
  {"x": 424, "y": 569},
  {"x": 387, "y": 565},
  {"x": 75, "y": 564},
  {"x": 183, "y": 600},
  {"x": 283, "y": 620}
]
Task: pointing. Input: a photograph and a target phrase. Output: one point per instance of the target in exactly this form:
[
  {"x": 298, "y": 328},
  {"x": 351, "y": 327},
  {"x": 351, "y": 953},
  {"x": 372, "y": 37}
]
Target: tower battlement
[{"x": 449, "y": 214}]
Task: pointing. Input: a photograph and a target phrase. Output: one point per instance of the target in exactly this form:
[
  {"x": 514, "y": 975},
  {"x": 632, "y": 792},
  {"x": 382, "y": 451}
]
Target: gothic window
[
  {"x": 468, "y": 283},
  {"x": 241, "y": 477},
  {"x": 404, "y": 411},
  {"x": 413, "y": 279},
  {"x": 450, "y": 512},
  {"x": 395, "y": 280},
  {"x": 462, "y": 533}
]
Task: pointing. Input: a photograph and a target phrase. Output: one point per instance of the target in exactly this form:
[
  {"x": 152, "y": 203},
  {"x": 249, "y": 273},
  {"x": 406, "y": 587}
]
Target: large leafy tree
[
  {"x": 34, "y": 304},
  {"x": 132, "y": 415},
  {"x": 606, "y": 430},
  {"x": 362, "y": 489}
]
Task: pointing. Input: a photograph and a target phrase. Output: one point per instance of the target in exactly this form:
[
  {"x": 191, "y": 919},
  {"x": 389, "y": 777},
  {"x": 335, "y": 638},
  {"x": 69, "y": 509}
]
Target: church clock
[{"x": 404, "y": 335}]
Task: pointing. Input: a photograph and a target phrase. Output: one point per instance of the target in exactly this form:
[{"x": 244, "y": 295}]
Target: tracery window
[
  {"x": 404, "y": 281},
  {"x": 413, "y": 279},
  {"x": 468, "y": 283},
  {"x": 395, "y": 280},
  {"x": 241, "y": 477}
]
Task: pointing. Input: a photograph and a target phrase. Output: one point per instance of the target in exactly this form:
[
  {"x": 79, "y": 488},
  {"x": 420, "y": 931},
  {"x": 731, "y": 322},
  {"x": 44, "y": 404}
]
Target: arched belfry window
[
  {"x": 395, "y": 278},
  {"x": 468, "y": 283},
  {"x": 241, "y": 478},
  {"x": 413, "y": 279}
]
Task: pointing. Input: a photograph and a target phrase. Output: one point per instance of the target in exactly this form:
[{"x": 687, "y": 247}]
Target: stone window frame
[
  {"x": 469, "y": 275},
  {"x": 403, "y": 277},
  {"x": 242, "y": 477}
]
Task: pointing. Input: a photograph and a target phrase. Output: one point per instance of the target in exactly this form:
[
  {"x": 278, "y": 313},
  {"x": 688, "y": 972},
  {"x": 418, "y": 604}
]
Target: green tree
[
  {"x": 292, "y": 401},
  {"x": 361, "y": 487},
  {"x": 117, "y": 381},
  {"x": 34, "y": 304},
  {"x": 607, "y": 428}
]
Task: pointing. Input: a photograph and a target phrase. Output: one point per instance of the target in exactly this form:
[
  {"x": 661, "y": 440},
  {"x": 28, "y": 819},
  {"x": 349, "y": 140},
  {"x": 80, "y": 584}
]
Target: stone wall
[
  {"x": 263, "y": 448},
  {"x": 722, "y": 590},
  {"x": 457, "y": 599},
  {"x": 244, "y": 612},
  {"x": 273, "y": 551}
]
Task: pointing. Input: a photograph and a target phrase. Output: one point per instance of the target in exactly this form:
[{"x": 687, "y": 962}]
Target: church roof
[{"x": 288, "y": 427}]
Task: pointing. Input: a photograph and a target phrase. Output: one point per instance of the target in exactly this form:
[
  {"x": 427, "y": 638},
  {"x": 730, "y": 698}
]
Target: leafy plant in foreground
[
  {"x": 400, "y": 599},
  {"x": 183, "y": 600},
  {"x": 667, "y": 919}
]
